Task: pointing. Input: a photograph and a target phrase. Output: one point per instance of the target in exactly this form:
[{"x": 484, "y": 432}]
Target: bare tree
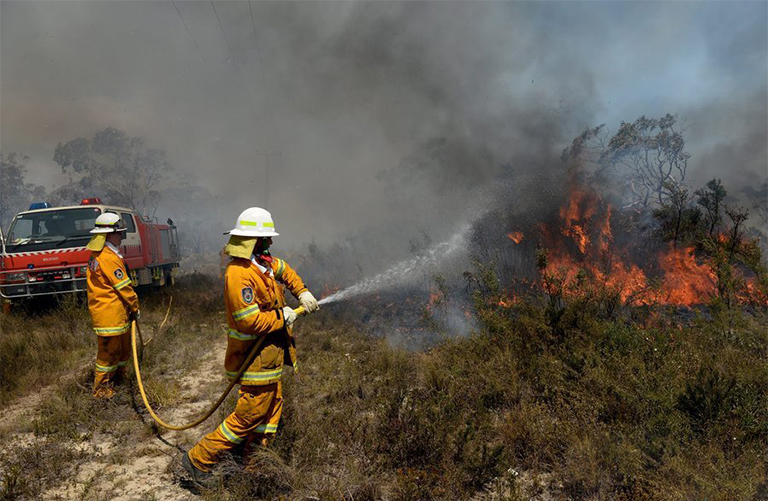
[
  {"x": 649, "y": 157},
  {"x": 737, "y": 215},
  {"x": 679, "y": 221},
  {"x": 678, "y": 200},
  {"x": 711, "y": 198},
  {"x": 642, "y": 163}
]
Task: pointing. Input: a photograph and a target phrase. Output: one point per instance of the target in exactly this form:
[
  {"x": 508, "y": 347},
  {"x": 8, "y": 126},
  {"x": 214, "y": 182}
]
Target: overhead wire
[
  {"x": 234, "y": 61},
  {"x": 268, "y": 116},
  {"x": 188, "y": 30},
  {"x": 245, "y": 89},
  {"x": 194, "y": 42}
]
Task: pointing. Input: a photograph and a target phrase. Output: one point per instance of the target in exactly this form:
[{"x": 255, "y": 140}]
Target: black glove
[{"x": 135, "y": 315}]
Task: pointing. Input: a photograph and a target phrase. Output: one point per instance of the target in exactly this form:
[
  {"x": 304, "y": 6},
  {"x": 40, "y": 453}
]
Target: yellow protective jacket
[
  {"x": 254, "y": 301},
  {"x": 110, "y": 295}
]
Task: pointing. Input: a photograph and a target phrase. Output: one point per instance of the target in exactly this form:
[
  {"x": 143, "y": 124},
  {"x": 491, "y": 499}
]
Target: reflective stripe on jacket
[
  {"x": 110, "y": 295},
  {"x": 254, "y": 300}
]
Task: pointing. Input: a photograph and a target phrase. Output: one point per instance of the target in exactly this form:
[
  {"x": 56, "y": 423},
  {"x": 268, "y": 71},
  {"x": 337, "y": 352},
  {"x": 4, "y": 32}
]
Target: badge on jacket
[
  {"x": 119, "y": 274},
  {"x": 247, "y": 293},
  {"x": 93, "y": 264}
]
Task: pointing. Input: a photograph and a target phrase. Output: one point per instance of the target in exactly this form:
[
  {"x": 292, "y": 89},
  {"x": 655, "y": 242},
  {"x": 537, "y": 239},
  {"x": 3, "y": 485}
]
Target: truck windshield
[{"x": 45, "y": 230}]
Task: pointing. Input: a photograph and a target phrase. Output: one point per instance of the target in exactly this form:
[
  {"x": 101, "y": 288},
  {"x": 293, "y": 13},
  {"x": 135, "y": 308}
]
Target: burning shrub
[
  {"x": 625, "y": 224},
  {"x": 588, "y": 250}
]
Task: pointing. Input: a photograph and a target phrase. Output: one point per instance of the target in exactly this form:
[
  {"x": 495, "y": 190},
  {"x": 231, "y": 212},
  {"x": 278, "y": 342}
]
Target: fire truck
[{"x": 44, "y": 253}]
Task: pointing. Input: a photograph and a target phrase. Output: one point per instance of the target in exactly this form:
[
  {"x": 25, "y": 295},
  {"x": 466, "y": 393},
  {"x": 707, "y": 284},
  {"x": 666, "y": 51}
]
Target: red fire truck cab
[{"x": 44, "y": 252}]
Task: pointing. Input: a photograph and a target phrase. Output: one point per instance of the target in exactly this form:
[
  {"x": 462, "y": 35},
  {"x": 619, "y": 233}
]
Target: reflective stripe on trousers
[
  {"x": 255, "y": 377},
  {"x": 105, "y": 368},
  {"x": 102, "y": 331},
  {"x": 257, "y": 413},
  {"x": 112, "y": 355}
]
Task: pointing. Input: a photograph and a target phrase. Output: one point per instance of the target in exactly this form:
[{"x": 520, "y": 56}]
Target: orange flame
[
  {"x": 576, "y": 214},
  {"x": 685, "y": 281},
  {"x": 516, "y": 236},
  {"x": 586, "y": 222}
]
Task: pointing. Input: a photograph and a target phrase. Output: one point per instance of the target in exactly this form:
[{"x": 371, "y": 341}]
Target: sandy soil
[{"x": 137, "y": 469}]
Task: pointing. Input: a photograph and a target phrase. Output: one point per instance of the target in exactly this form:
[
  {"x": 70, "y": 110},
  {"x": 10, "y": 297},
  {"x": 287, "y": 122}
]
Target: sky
[{"x": 378, "y": 114}]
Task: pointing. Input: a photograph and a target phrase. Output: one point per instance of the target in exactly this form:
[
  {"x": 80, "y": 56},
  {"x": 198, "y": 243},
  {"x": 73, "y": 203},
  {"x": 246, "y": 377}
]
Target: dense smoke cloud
[{"x": 391, "y": 119}]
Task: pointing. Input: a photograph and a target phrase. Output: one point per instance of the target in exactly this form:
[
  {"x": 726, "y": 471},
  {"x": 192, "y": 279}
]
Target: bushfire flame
[
  {"x": 582, "y": 245},
  {"x": 685, "y": 280},
  {"x": 576, "y": 215}
]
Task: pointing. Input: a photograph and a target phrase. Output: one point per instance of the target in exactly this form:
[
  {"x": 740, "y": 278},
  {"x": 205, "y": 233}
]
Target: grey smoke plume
[{"x": 390, "y": 118}]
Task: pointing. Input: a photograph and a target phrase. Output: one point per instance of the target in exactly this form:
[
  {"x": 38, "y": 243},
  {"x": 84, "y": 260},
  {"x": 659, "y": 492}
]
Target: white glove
[
  {"x": 308, "y": 301},
  {"x": 290, "y": 315}
]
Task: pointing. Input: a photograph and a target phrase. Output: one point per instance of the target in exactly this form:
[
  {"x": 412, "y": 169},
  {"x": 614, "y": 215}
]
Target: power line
[
  {"x": 269, "y": 154},
  {"x": 231, "y": 55},
  {"x": 268, "y": 117},
  {"x": 188, "y": 30},
  {"x": 197, "y": 47}
]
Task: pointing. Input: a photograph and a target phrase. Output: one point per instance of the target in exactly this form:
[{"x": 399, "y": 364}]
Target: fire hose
[{"x": 248, "y": 360}]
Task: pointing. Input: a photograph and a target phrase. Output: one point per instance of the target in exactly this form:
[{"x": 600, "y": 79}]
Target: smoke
[
  {"x": 382, "y": 123},
  {"x": 354, "y": 97}
]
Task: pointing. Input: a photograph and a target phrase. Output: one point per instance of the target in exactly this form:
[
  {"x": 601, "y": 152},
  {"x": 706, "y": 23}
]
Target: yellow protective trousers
[
  {"x": 256, "y": 417},
  {"x": 112, "y": 357}
]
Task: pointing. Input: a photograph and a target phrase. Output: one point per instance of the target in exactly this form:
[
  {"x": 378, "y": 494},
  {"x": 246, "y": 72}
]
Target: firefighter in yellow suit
[
  {"x": 112, "y": 303},
  {"x": 255, "y": 304}
]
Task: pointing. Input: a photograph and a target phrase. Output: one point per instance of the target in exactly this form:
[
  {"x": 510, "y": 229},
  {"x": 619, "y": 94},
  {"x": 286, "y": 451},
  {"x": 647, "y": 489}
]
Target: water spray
[{"x": 401, "y": 272}]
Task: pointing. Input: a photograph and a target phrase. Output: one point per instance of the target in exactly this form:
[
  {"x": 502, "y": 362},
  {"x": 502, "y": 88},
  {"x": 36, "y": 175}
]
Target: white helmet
[
  {"x": 109, "y": 222},
  {"x": 254, "y": 222}
]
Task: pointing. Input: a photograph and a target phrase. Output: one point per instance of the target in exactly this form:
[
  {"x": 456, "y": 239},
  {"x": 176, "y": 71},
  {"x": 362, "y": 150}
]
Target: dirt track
[{"x": 120, "y": 469}]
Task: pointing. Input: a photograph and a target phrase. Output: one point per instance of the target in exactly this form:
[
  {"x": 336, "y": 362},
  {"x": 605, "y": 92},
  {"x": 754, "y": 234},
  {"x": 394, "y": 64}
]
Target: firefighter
[
  {"x": 112, "y": 303},
  {"x": 255, "y": 305}
]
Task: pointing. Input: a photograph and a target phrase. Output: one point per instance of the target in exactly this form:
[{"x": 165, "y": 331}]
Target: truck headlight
[{"x": 15, "y": 277}]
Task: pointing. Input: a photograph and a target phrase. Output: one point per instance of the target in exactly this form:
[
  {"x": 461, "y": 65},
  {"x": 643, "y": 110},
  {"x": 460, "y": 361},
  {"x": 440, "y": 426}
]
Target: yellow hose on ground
[{"x": 249, "y": 359}]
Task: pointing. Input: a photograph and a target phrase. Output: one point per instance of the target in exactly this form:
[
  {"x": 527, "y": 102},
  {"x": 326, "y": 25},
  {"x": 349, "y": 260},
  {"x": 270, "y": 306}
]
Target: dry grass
[
  {"x": 37, "y": 346},
  {"x": 19, "y": 461},
  {"x": 543, "y": 402},
  {"x": 66, "y": 415},
  {"x": 601, "y": 407}
]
